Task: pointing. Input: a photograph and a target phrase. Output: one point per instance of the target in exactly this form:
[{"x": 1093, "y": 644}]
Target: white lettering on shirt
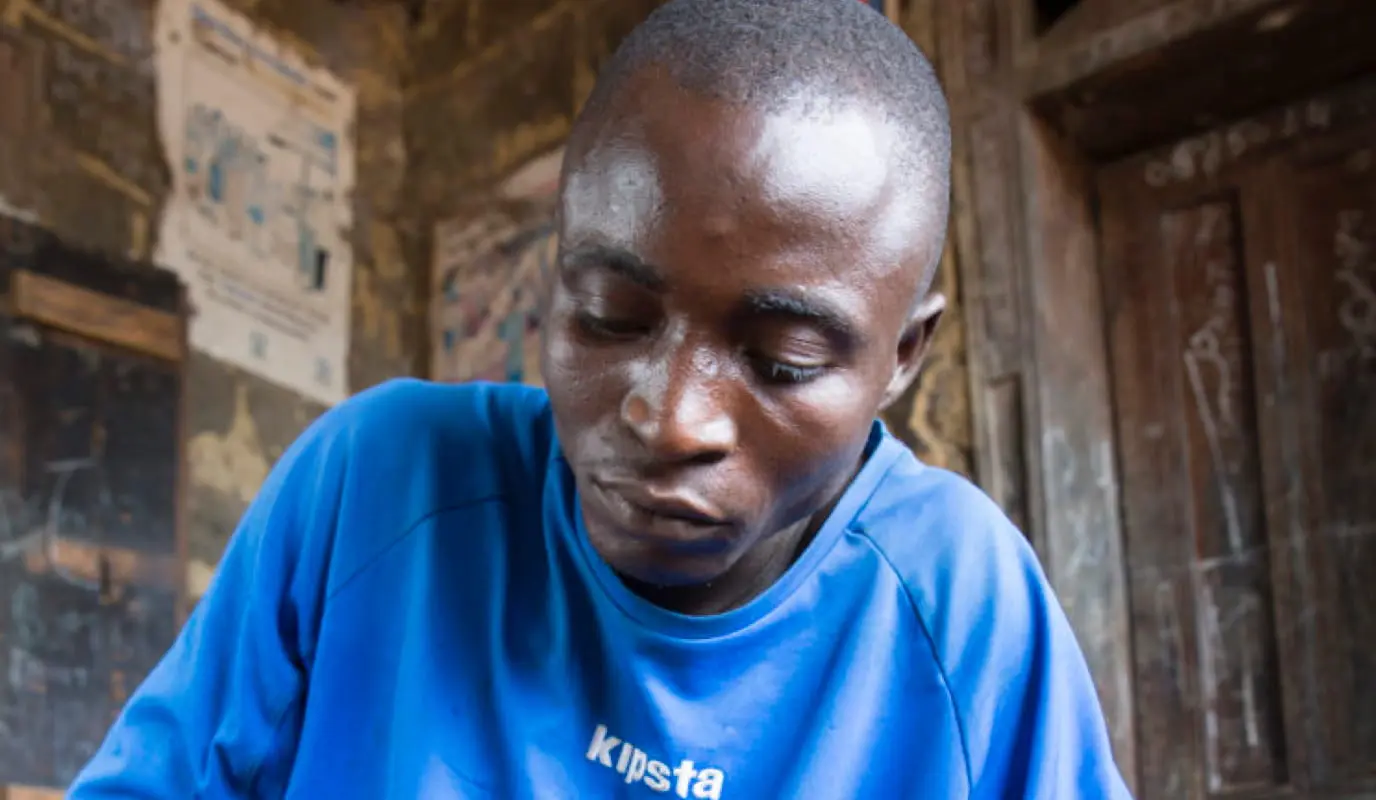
[{"x": 635, "y": 766}]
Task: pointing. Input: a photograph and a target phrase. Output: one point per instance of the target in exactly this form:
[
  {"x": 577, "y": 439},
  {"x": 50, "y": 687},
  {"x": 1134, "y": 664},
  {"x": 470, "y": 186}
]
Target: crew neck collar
[{"x": 882, "y": 448}]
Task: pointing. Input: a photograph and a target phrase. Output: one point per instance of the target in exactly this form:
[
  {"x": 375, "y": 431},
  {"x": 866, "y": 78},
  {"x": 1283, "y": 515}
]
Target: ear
[{"x": 912, "y": 345}]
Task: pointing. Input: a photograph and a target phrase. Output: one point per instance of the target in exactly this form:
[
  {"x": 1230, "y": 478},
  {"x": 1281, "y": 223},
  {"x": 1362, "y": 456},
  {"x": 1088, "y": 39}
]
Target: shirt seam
[
  {"x": 406, "y": 533},
  {"x": 936, "y": 655},
  {"x": 254, "y": 775}
]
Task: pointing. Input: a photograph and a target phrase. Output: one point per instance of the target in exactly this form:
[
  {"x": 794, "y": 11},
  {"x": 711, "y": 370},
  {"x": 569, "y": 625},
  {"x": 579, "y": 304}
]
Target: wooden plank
[
  {"x": 97, "y": 316},
  {"x": 1100, "y": 50},
  {"x": 1182, "y": 87},
  {"x": 1069, "y": 389},
  {"x": 1239, "y": 293},
  {"x": 110, "y": 567},
  {"x": 17, "y": 85},
  {"x": 1328, "y": 266},
  {"x": 965, "y": 42},
  {"x": 16, "y": 792}
]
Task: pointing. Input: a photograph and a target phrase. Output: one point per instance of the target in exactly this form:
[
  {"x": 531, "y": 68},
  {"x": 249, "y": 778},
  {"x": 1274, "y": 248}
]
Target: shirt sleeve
[
  {"x": 1032, "y": 721},
  {"x": 218, "y": 716}
]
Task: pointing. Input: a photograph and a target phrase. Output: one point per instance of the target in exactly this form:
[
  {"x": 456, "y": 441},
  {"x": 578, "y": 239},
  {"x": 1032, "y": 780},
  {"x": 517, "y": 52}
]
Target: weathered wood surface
[
  {"x": 28, "y": 793},
  {"x": 91, "y": 563},
  {"x": 1213, "y": 681},
  {"x": 1241, "y": 298},
  {"x": 1187, "y": 67}
]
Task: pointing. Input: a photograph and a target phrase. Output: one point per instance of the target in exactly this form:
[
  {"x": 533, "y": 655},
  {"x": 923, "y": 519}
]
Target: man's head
[{"x": 753, "y": 203}]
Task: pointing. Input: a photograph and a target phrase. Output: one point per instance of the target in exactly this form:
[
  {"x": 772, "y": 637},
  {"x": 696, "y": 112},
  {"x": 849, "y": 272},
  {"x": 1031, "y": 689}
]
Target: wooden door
[
  {"x": 91, "y": 574},
  {"x": 1240, "y": 293}
]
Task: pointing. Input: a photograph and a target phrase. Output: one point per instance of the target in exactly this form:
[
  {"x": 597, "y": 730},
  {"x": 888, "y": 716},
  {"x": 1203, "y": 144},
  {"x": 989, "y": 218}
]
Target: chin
[{"x": 658, "y": 566}]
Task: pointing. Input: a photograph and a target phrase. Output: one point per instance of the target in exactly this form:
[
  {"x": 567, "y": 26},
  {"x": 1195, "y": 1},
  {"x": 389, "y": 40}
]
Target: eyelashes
[
  {"x": 769, "y": 369},
  {"x": 784, "y": 373},
  {"x": 608, "y": 328}
]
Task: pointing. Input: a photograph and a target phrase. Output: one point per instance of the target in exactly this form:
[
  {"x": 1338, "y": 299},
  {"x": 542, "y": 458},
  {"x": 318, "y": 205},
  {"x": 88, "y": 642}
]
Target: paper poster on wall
[
  {"x": 486, "y": 300},
  {"x": 258, "y": 218},
  {"x": 487, "y": 283}
]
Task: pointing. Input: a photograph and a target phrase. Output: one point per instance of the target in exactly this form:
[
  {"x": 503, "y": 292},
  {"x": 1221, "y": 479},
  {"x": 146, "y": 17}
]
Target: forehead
[{"x": 670, "y": 170}]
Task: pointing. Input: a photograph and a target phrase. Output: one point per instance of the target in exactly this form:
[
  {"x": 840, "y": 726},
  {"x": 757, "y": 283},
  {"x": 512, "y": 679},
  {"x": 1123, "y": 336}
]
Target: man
[{"x": 697, "y": 567}]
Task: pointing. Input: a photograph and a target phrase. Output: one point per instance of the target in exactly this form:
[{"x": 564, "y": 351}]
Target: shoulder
[
  {"x": 968, "y": 571},
  {"x": 933, "y": 524},
  {"x": 413, "y": 418},
  {"x": 387, "y": 459},
  {"x": 1018, "y": 683},
  {"x": 409, "y": 406}
]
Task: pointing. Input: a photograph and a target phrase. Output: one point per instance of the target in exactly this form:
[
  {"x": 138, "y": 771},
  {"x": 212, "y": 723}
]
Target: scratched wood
[
  {"x": 1242, "y": 323},
  {"x": 1071, "y": 409},
  {"x": 1329, "y": 258},
  {"x": 1234, "y": 86},
  {"x": 1159, "y": 74},
  {"x": 964, "y": 41},
  {"x": 90, "y": 557}
]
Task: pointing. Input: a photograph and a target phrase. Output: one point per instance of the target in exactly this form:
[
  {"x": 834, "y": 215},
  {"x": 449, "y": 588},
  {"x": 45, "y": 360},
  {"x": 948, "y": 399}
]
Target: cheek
[
  {"x": 582, "y": 390},
  {"x": 819, "y": 432}
]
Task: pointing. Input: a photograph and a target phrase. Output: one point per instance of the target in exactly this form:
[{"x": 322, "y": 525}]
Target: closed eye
[
  {"x": 781, "y": 372},
  {"x": 608, "y": 327}
]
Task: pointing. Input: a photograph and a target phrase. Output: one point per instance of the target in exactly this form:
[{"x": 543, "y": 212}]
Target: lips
[{"x": 647, "y": 512}]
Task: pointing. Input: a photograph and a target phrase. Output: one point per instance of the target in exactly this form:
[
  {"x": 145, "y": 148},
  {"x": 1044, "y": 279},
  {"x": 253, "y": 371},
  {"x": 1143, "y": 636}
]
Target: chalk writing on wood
[
  {"x": 1239, "y": 680},
  {"x": 75, "y": 619},
  {"x": 89, "y": 566},
  {"x": 1256, "y": 138},
  {"x": 1335, "y": 217},
  {"x": 1203, "y": 157},
  {"x": 66, "y": 653},
  {"x": 1356, "y": 273}
]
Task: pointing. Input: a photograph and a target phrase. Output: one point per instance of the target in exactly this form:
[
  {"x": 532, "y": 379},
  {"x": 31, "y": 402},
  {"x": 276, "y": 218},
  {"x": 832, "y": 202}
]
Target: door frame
[{"x": 1035, "y": 114}]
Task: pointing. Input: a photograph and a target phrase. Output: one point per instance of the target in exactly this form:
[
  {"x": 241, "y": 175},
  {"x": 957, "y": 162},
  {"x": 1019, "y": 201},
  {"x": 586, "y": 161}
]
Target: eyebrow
[
  {"x": 614, "y": 259},
  {"x": 790, "y": 303},
  {"x": 819, "y": 313}
]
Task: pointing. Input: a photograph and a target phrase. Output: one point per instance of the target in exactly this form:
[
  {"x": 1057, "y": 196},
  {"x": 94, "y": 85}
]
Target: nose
[{"x": 680, "y": 411}]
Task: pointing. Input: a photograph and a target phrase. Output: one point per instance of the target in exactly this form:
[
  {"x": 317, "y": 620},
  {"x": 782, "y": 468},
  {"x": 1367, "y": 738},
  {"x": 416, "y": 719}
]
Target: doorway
[{"x": 1239, "y": 274}]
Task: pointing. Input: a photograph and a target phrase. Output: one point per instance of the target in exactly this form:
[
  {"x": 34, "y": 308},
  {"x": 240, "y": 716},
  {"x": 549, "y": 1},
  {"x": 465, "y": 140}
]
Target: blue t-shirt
[{"x": 411, "y": 609}]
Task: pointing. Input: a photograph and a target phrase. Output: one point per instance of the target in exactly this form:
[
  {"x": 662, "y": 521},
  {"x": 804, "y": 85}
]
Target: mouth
[{"x": 650, "y": 513}]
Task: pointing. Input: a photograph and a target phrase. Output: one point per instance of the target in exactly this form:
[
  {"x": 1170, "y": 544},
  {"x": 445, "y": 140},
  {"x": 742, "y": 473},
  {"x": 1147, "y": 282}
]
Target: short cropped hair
[{"x": 773, "y": 53}]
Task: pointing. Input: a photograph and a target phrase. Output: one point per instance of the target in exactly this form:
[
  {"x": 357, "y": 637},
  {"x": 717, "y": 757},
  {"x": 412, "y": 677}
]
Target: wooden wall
[
  {"x": 1040, "y": 106},
  {"x": 92, "y": 556}
]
